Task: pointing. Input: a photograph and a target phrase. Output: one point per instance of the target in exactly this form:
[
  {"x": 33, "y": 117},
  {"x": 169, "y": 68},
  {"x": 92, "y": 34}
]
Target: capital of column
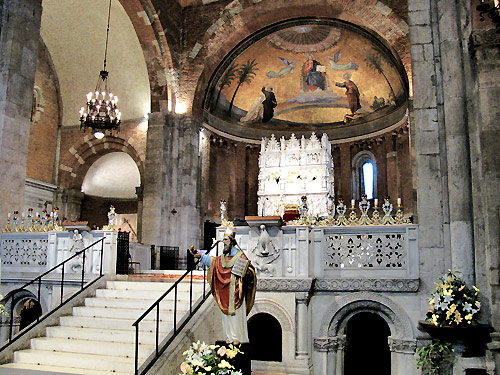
[
  {"x": 328, "y": 344},
  {"x": 302, "y": 298},
  {"x": 408, "y": 346}
]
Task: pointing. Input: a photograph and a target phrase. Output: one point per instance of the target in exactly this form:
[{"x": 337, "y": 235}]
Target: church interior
[{"x": 298, "y": 122}]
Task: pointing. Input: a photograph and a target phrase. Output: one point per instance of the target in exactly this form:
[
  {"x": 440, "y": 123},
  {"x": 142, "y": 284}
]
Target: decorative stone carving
[
  {"x": 402, "y": 345},
  {"x": 24, "y": 251},
  {"x": 285, "y": 285},
  {"x": 264, "y": 254},
  {"x": 292, "y": 168},
  {"x": 375, "y": 285},
  {"x": 328, "y": 344},
  {"x": 374, "y": 251}
]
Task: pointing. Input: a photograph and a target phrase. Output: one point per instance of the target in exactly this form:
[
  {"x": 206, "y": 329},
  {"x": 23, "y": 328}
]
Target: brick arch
[
  {"x": 390, "y": 29},
  {"x": 87, "y": 152},
  {"x": 156, "y": 51}
]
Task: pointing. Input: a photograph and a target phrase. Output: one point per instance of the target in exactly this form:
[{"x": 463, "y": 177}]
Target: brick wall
[
  {"x": 234, "y": 168},
  {"x": 43, "y": 129}
]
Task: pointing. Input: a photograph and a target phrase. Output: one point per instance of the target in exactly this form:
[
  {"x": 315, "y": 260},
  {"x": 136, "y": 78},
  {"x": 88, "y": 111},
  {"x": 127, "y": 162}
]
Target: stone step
[
  {"x": 111, "y": 349},
  {"x": 114, "y": 324},
  {"x": 107, "y": 335},
  {"x": 132, "y": 303},
  {"x": 153, "y": 286},
  {"x": 132, "y": 314},
  {"x": 75, "y": 360},
  {"x": 138, "y": 294},
  {"x": 33, "y": 369}
]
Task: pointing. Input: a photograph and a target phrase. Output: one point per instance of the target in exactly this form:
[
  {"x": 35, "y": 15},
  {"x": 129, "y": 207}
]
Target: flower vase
[{"x": 468, "y": 341}]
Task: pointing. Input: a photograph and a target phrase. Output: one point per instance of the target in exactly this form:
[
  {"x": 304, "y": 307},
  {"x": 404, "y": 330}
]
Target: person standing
[{"x": 352, "y": 93}]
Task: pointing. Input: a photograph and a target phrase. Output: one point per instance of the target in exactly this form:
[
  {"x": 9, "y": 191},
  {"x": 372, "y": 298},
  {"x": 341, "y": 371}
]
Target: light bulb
[{"x": 99, "y": 135}]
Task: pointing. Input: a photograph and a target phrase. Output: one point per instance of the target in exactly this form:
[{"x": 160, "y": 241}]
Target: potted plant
[{"x": 452, "y": 318}]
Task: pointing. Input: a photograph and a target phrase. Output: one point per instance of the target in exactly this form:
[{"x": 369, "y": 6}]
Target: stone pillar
[
  {"x": 302, "y": 334},
  {"x": 69, "y": 203},
  {"x": 485, "y": 46},
  {"x": 19, "y": 34},
  {"x": 171, "y": 196},
  {"x": 139, "y": 191},
  {"x": 455, "y": 120},
  {"x": 402, "y": 356},
  {"x": 442, "y": 149}
]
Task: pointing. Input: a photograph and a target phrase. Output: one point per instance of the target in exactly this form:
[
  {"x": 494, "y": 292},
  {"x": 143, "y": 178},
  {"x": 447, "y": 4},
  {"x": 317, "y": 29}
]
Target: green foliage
[{"x": 433, "y": 357}]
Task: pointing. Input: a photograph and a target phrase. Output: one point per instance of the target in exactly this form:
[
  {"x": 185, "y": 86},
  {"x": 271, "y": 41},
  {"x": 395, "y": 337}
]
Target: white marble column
[{"x": 302, "y": 334}]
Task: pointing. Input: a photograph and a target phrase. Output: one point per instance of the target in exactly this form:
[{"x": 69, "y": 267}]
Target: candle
[
  {"x": 353, "y": 202},
  {"x": 376, "y": 202},
  {"x": 8, "y": 215},
  {"x": 399, "y": 201},
  {"x": 23, "y": 215}
]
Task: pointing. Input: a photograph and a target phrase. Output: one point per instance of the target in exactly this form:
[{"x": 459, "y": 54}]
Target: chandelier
[
  {"x": 492, "y": 10},
  {"x": 101, "y": 113}
]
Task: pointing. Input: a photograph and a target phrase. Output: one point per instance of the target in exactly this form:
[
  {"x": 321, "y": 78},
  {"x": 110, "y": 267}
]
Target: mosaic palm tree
[
  {"x": 244, "y": 74},
  {"x": 374, "y": 62}
]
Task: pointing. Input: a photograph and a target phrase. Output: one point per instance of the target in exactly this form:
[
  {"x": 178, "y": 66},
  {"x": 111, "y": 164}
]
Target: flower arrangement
[
  {"x": 203, "y": 359},
  {"x": 453, "y": 303}
]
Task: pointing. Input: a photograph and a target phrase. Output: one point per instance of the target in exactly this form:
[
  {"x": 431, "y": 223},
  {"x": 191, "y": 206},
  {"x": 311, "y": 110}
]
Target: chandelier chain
[{"x": 107, "y": 36}]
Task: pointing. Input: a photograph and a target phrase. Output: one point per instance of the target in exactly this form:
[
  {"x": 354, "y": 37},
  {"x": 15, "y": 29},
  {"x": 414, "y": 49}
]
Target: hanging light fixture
[
  {"x": 492, "y": 10},
  {"x": 101, "y": 113}
]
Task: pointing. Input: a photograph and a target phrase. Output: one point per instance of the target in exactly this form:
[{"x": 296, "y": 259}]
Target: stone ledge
[{"x": 373, "y": 285}]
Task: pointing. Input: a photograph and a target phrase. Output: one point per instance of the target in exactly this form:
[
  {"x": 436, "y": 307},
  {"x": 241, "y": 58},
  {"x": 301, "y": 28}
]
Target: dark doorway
[
  {"x": 367, "y": 350},
  {"x": 264, "y": 332},
  {"x": 30, "y": 311}
]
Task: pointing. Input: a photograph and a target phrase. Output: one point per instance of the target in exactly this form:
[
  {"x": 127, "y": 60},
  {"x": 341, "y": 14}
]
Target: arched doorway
[
  {"x": 264, "y": 332},
  {"x": 367, "y": 349},
  {"x": 112, "y": 180}
]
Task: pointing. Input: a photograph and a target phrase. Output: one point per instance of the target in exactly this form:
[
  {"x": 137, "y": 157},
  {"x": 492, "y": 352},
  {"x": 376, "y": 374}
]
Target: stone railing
[
  {"x": 37, "y": 252},
  {"x": 380, "y": 258}
]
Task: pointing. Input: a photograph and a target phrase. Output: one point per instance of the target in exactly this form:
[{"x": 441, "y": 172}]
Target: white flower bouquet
[
  {"x": 203, "y": 359},
  {"x": 453, "y": 303}
]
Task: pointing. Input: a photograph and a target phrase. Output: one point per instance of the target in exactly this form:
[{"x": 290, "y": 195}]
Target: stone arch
[
  {"x": 339, "y": 312},
  {"x": 13, "y": 303},
  {"x": 156, "y": 51},
  {"x": 276, "y": 310},
  {"x": 221, "y": 41},
  {"x": 84, "y": 155}
]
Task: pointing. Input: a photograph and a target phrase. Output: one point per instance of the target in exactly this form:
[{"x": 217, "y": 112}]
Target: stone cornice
[
  {"x": 337, "y": 285},
  {"x": 374, "y": 285},
  {"x": 284, "y": 284}
]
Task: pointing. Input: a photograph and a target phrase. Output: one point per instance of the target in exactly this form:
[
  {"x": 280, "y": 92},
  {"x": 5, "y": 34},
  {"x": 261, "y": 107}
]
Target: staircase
[{"x": 98, "y": 338}]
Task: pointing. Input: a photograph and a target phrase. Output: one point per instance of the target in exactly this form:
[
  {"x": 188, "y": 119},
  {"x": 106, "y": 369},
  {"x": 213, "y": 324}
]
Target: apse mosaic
[{"x": 310, "y": 73}]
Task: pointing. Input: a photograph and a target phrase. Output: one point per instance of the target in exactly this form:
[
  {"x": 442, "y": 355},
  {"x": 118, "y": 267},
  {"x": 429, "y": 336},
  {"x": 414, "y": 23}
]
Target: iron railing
[
  {"x": 38, "y": 281},
  {"x": 144, "y": 368}
]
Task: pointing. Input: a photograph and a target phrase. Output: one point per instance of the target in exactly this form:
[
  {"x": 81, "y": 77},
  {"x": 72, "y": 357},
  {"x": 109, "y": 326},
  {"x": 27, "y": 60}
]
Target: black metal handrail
[
  {"x": 38, "y": 280},
  {"x": 176, "y": 329}
]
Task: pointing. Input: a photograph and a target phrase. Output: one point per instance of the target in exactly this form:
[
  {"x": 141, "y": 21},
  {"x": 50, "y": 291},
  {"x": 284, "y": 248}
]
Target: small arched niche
[
  {"x": 265, "y": 336},
  {"x": 366, "y": 336}
]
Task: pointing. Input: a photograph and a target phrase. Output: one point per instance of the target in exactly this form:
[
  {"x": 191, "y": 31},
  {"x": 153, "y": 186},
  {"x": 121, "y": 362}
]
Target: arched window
[
  {"x": 264, "y": 332},
  {"x": 364, "y": 175}
]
